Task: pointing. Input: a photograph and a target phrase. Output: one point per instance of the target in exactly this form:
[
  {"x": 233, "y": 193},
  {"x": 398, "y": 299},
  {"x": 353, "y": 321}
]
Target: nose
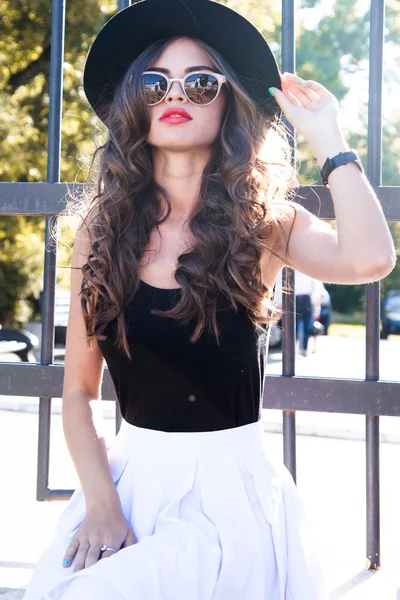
[{"x": 176, "y": 93}]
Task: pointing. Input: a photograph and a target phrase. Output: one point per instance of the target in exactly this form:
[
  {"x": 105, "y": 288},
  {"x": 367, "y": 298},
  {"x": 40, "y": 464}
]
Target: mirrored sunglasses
[{"x": 199, "y": 88}]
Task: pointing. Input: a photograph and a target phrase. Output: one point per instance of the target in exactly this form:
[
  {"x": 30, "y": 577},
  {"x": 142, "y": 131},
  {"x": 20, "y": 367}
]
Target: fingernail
[
  {"x": 66, "y": 563},
  {"x": 271, "y": 90}
]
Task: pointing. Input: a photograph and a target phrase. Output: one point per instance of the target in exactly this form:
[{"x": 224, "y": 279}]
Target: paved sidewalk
[
  {"x": 318, "y": 424},
  {"x": 331, "y": 479}
]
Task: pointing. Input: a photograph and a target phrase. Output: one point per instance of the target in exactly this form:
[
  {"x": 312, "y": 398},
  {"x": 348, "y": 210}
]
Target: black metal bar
[
  {"x": 318, "y": 200},
  {"x": 49, "y": 285},
  {"x": 288, "y": 369},
  {"x": 48, "y": 199},
  {"x": 118, "y": 417},
  {"x": 43, "y": 448},
  {"x": 288, "y": 324},
  {"x": 289, "y": 301},
  {"x": 289, "y": 442},
  {"x": 58, "y": 495},
  {"x": 42, "y": 198},
  {"x": 41, "y": 380},
  {"x": 374, "y": 170},
  {"x": 319, "y": 394},
  {"x": 373, "y": 492},
  {"x": 50, "y": 256}
]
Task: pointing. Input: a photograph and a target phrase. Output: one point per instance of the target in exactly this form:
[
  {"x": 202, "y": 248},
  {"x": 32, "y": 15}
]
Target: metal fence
[{"x": 288, "y": 392}]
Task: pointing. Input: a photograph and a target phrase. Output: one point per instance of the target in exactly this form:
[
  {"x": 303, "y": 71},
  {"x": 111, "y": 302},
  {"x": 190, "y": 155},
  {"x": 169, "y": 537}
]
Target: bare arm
[
  {"x": 104, "y": 522},
  {"x": 361, "y": 250},
  {"x": 81, "y": 393}
]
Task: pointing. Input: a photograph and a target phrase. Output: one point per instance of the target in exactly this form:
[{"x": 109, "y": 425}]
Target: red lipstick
[{"x": 175, "y": 115}]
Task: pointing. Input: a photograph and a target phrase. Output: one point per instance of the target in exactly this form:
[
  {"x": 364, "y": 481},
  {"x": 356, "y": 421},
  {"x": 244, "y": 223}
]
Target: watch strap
[{"x": 336, "y": 161}]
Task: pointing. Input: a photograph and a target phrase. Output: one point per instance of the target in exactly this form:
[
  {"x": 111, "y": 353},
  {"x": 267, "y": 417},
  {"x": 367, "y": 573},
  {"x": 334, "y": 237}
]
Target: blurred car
[
  {"x": 390, "y": 314},
  {"x": 61, "y": 312},
  {"x": 21, "y": 342}
]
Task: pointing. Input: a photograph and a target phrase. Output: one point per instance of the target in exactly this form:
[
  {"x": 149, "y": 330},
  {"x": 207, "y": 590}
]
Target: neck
[{"x": 180, "y": 175}]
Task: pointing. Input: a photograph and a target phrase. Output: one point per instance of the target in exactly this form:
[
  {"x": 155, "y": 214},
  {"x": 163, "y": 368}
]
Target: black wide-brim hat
[{"x": 130, "y": 31}]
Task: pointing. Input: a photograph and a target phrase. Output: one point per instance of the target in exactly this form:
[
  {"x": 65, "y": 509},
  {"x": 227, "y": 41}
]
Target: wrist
[
  {"x": 108, "y": 500},
  {"x": 328, "y": 145}
]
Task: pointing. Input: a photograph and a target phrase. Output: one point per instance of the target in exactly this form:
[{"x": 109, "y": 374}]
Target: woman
[{"x": 173, "y": 267}]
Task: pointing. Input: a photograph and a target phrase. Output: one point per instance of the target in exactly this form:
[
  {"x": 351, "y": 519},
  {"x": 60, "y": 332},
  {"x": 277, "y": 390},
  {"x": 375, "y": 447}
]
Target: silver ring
[{"x": 104, "y": 548}]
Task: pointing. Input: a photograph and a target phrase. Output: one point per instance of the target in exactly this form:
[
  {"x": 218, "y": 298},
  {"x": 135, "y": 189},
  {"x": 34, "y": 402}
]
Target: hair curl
[{"x": 243, "y": 198}]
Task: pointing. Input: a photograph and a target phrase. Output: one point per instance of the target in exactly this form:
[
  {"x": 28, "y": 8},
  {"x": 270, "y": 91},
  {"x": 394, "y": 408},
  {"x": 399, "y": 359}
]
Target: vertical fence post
[
  {"x": 123, "y": 4},
  {"x": 118, "y": 417},
  {"x": 374, "y": 170},
  {"x": 289, "y": 300},
  {"x": 50, "y": 255}
]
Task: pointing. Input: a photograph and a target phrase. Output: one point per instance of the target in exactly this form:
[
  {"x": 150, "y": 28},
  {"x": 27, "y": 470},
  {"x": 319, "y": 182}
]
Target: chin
[
  {"x": 181, "y": 145},
  {"x": 183, "y": 137}
]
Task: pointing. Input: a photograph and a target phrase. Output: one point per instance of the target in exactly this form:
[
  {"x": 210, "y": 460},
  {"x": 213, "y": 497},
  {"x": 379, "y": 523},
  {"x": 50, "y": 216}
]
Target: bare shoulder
[
  {"x": 275, "y": 255},
  {"x": 82, "y": 247}
]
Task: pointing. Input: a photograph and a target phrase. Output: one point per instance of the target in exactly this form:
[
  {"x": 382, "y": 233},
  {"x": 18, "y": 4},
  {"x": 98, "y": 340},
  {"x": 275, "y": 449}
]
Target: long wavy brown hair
[{"x": 244, "y": 196}]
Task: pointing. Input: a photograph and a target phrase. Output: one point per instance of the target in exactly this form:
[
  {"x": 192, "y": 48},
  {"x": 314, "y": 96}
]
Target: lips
[{"x": 178, "y": 113}]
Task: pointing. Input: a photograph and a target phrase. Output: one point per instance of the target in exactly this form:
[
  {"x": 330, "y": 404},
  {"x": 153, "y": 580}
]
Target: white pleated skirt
[{"x": 216, "y": 518}]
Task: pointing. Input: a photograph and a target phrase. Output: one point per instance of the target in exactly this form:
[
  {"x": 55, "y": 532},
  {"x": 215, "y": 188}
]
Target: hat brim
[{"x": 130, "y": 31}]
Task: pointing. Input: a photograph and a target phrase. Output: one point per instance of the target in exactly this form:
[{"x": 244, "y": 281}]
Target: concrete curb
[
  {"x": 324, "y": 425},
  {"x": 333, "y": 432}
]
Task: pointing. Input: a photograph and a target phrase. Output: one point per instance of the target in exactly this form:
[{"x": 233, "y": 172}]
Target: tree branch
[{"x": 40, "y": 65}]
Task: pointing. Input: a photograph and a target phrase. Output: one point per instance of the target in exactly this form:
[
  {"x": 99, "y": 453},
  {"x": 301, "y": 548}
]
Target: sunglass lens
[
  {"x": 155, "y": 86},
  {"x": 201, "y": 88}
]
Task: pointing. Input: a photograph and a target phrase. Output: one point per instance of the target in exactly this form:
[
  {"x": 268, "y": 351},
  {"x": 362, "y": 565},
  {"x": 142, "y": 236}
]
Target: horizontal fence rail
[
  {"x": 319, "y": 394},
  {"x": 48, "y": 199}
]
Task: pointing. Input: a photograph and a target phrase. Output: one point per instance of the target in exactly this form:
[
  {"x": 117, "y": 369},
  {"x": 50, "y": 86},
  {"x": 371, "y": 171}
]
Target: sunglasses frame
[{"x": 218, "y": 76}]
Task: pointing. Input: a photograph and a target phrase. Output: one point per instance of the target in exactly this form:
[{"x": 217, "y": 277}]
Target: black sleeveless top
[{"x": 173, "y": 384}]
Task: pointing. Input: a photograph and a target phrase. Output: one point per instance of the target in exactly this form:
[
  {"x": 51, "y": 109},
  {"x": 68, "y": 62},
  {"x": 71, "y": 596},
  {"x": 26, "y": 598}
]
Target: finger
[
  {"x": 290, "y": 79},
  {"x": 289, "y": 75},
  {"x": 307, "y": 84},
  {"x": 306, "y": 93},
  {"x": 285, "y": 99},
  {"x": 70, "y": 553},
  {"x": 130, "y": 539},
  {"x": 315, "y": 86},
  {"x": 107, "y": 553},
  {"x": 81, "y": 556},
  {"x": 300, "y": 95},
  {"x": 93, "y": 555}
]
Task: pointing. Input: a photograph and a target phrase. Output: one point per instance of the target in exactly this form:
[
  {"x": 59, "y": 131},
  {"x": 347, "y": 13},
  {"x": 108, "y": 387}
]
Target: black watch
[{"x": 340, "y": 159}]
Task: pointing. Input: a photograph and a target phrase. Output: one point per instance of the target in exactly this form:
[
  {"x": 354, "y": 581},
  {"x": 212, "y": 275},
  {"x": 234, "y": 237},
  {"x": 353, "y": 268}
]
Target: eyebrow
[{"x": 188, "y": 70}]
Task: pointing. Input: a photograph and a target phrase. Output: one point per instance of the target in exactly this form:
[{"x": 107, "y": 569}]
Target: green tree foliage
[
  {"x": 335, "y": 46},
  {"x": 24, "y": 85},
  {"x": 25, "y": 32},
  {"x": 21, "y": 260}
]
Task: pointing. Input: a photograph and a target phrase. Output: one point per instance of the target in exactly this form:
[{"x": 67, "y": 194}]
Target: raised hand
[{"x": 308, "y": 106}]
